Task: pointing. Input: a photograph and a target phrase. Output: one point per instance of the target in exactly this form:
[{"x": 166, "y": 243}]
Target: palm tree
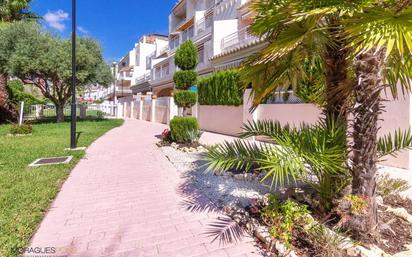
[
  {"x": 10, "y": 11},
  {"x": 357, "y": 48},
  {"x": 381, "y": 39}
]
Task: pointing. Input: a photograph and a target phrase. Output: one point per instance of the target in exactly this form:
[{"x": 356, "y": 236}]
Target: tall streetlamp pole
[{"x": 73, "y": 143}]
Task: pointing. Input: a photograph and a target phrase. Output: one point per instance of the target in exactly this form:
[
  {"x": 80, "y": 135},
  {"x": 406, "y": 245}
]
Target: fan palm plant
[
  {"x": 358, "y": 47},
  {"x": 313, "y": 154}
]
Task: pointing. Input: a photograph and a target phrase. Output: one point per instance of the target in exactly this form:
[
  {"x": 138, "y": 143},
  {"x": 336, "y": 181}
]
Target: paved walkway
[{"x": 122, "y": 200}]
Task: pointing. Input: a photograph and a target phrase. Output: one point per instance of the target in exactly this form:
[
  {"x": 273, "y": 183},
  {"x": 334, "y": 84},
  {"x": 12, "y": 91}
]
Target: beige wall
[
  {"x": 292, "y": 114},
  {"x": 226, "y": 120},
  {"x": 396, "y": 116}
]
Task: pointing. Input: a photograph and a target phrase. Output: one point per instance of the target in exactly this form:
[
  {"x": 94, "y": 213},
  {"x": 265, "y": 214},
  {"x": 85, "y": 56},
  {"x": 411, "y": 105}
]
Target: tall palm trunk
[
  {"x": 366, "y": 112},
  {"x": 8, "y": 112},
  {"x": 336, "y": 74}
]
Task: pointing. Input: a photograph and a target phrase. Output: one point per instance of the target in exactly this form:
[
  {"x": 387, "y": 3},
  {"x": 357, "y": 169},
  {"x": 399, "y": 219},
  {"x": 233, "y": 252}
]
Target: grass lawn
[{"x": 26, "y": 193}]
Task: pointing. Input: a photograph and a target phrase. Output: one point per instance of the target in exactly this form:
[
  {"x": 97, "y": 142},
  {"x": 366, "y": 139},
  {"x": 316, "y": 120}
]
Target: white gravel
[{"x": 220, "y": 190}]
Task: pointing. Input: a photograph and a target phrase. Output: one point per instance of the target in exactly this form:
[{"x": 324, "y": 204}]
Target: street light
[
  {"x": 73, "y": 143},
  {"x": 114, "y": 83}
]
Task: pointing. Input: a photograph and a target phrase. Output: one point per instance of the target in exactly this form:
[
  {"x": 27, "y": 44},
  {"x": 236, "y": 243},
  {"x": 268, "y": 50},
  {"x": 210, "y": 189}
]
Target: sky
[{"x": 116, "y": 24}]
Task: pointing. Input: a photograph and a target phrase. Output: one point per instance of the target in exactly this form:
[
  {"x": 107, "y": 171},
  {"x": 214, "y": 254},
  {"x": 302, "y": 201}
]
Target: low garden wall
[
  {"x": 221, "y": 119},
  {"x": 162, "y": 109},
  {"x": 147, "y": 109},
  {"x": 292, "y": 114}
]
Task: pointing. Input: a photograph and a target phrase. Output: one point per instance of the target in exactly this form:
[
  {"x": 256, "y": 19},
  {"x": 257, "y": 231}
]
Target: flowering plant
[{"x": 166, "y": 136}]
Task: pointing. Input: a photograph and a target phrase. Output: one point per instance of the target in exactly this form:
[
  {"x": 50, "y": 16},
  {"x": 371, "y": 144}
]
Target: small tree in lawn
[
  {"x": 44, "y": 61},
  {"x": 186, "y": 59}
]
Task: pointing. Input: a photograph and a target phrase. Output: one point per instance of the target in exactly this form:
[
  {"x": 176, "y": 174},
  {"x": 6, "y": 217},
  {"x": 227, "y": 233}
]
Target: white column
[
  {"x": 39, "y": 111},
  {"x": 247, "y": 104},
  {"x": 132, "y": 109},
  {"x": 119, "y": 111},
  {"x": 141, "y": 109},
  {"x": 153, "y": 111},
  {"x": 195, "y": 110},
  {"x": 124, "y": 110},
  {"x": 172, "y": 109}
]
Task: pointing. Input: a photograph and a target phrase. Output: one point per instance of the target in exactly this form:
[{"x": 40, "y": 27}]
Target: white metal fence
[{"x": 48, "y": 111}]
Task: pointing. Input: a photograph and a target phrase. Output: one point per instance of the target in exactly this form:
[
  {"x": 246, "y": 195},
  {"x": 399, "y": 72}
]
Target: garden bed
[{"x": 236, "y": 194}]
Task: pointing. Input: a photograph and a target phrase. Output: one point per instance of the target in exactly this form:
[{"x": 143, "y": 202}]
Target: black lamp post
[{"x": 73, "y": 143}]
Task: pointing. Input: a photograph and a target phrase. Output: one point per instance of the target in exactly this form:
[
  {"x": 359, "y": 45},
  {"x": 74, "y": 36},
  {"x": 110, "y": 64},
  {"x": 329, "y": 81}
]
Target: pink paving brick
[{"x": 122, "y": 200}]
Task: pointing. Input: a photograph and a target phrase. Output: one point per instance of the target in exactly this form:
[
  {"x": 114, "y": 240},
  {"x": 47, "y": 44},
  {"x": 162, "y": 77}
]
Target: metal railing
[
  {"x": 163, "y": 50},
  {"x": 142, "y": 79},
  {"x": 204, "y": 24},
  {"x": 238, "y": 38},
  {"x": 48, "y": 111}
]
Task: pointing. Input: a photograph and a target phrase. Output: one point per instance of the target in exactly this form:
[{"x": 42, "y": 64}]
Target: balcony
[
  {"x": 163, "y": 50},
  {"x": 143, "y": 79},
  {"x": 204, "y": 26},
  {"x": 238, "y": 39},
  {"x": 126, "y": 75}
]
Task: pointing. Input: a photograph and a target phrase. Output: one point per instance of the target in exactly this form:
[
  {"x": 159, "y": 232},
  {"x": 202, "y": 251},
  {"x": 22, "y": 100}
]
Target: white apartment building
[
  {"x": 134, "y": 68},
  {"x": 219, "y": 29}
]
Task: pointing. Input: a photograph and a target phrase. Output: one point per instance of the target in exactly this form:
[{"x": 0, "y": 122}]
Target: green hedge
[
  {"x": 186, "y": 56},
  {"x": 184, "y": 129},
  {"x": 184, "y": 79},
  {"x": 185, "y": 98},
  {"x": 221, "y": 88}
]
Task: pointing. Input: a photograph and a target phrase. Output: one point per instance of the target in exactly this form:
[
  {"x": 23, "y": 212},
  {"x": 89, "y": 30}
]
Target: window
[
  {"x": 174, "y": 42},
  {"x": 201, "y": 53},
  {"x": 165, "y": 69}
]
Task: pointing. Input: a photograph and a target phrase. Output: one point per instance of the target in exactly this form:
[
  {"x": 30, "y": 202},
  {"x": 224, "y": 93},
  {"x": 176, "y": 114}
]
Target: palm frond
[
  {"x": 226, "y": 230},
  {"x": 240, "y": 154},
  {"x": 378, "y": 27},
  {"x": 391, "y": 144},
  {"x": 268, "y": 128}
]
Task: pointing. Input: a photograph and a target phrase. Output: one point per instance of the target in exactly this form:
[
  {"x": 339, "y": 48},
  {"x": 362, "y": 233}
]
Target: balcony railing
[
  {"x": 238, "y": 38},
  {"x": 204, "y": 24},
  {"x": 142, "y": 79},
  {"x": 126, "y": 75},
  {"x": 163, "y": 50}
]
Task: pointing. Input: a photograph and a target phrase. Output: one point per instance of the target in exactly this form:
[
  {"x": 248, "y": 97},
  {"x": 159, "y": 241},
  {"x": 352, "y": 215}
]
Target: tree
[
  {"x": 10, "y": 11},
  {"x": 44, "y": 61},
  {"x": 357, "y": 48},
  {"x": 186, "y": 59},
  {"x": 14, "y": 10}
]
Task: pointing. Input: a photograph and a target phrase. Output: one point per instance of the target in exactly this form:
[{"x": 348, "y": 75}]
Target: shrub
[
  {"x": 221, "y": 88},
  {"x": 283, "y": 218},
  {"x": 185, "y": 99},
  {"x": 16, "y": 94},
  {"x": 100, "y": 115},
  {"x": 186, "y": 56},
  {"x": 183, "y": 128},
  {"x": 166, "y": 136},
  {"x": 387, "y": 185},
  {"x": 185, "y": 79},
  {"x": 24, "y": 129}
]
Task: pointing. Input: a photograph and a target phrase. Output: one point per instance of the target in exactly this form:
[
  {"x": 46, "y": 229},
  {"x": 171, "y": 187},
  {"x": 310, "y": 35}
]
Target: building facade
[{"x": 219, "y": 29}]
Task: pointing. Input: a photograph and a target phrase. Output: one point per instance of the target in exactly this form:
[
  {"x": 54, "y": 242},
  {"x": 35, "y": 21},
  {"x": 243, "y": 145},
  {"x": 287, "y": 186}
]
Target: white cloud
[
  {"x": 82, "y": 30},
  {"x": 55, "y": 19}
]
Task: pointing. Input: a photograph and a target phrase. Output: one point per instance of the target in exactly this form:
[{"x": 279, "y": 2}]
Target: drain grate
[{"x": 51, "y": 161}]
